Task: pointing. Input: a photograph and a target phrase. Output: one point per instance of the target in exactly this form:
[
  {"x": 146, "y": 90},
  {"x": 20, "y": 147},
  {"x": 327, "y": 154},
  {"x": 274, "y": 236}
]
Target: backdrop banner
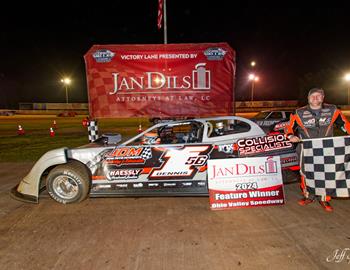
[{"x": 165, "y": 80}]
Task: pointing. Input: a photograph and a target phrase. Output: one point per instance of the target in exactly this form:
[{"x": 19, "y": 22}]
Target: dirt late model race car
[
  {"x": 168, "y": 159},
  {"x": 272, "y": 120}
]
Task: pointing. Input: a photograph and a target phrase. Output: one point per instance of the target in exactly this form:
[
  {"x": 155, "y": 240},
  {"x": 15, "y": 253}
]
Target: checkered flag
[
  {"x": 93, "y": 131},
  {"x": 146, "y": 153},
  {"x": 326, "y": 166}
]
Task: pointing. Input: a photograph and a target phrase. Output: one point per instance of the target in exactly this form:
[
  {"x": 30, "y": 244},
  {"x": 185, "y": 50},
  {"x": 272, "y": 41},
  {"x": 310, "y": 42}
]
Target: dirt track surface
[{"x": 167, "y": 233}]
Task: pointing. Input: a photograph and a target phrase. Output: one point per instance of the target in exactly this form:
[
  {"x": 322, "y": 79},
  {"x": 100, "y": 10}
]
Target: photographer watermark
[{"x": 339, "y": 255}]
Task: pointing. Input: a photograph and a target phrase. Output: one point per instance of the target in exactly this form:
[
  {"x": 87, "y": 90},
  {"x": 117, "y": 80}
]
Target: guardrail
[{"x": 252, "y": 106}]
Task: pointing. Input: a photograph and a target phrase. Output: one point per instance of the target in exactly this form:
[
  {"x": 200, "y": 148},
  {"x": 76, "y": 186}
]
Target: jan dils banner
[
  {"x": 245, "y": 182},
  {"x": 164, "y": 80}
]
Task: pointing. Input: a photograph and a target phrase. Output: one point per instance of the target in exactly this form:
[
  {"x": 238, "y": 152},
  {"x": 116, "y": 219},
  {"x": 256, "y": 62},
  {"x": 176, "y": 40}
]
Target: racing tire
[{"x": 68, "y": 183}]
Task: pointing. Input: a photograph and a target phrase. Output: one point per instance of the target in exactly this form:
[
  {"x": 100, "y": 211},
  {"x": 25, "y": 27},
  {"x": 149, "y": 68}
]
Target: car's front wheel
[{"x": 68, "y": 183}]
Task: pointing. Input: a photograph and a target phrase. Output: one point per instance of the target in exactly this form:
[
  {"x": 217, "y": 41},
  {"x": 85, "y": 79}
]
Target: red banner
[{"x": 170, "y": 80}]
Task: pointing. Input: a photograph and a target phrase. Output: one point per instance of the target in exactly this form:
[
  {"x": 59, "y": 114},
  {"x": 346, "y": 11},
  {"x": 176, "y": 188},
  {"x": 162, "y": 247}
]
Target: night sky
[{"x": 295, "y": 48}]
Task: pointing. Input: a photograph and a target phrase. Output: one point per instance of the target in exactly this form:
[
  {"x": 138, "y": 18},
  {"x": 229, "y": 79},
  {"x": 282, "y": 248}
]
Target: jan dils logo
[
  {"x": 270, "y": 165},
  {"x": 200, "y": 79},
  {"x": 103, "y": 56}
]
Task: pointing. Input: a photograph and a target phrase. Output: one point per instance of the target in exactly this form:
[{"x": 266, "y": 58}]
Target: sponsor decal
[
  {"x": 266, "y": 122},
  {"x": 263, "y": 144},
  {"x": 153, "y": 81},
  {"x": 138, "y": 185},
  {"x": 215, "y": 53},
  {"x": 290, "y": 159},
  {"x": 181, "y": 163},
  {"x": 121, "y": 185},
  {"x": 324, "y": 121},
  {"x": 153, "y": 184},
  {"x": 226, "y": 148},
  {"x": 306, "y": 114},
  {"x": 102, "y": 186},
  {"x": 201, "y": 184},
  {"x": 129, "y": 155},
  {"x": 103, "y": 56},
  {"x": 169, "y": 184},
  {"x": 280, "y": 126},
  {"x": 186, "y": 184},
  {"x": 310, "y": 122},
  {"x": 123, "y": 174}
]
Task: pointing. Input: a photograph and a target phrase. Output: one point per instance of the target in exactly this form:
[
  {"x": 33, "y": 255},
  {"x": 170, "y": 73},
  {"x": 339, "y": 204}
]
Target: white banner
[{"x": 245, "y": 182}]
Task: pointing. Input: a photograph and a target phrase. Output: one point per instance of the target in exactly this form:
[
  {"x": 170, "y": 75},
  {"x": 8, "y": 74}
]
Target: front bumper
[{"x": 23, "y": 197}]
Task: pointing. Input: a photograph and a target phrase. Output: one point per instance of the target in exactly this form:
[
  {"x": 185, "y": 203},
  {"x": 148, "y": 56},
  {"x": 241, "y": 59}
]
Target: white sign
[{"x": 245, "y": 182}]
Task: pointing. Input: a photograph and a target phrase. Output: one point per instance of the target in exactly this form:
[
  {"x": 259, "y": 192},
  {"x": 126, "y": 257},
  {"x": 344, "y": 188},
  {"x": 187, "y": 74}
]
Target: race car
[
  {"x": 168, "y": 159},
  {"x": 269, "y": 120}
]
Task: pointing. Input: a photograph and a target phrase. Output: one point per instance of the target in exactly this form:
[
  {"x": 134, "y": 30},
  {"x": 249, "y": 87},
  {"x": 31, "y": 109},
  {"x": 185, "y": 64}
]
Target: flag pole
[{"x": 165, "y": 24}]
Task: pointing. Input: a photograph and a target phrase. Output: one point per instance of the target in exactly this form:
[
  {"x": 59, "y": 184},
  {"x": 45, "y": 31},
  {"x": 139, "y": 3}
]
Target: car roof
[{"x": 255, "y": 127}]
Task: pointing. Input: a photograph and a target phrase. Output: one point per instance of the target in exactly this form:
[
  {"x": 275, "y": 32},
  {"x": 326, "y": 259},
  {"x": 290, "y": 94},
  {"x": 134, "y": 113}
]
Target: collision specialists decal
[{"x": 263, "y": 144}]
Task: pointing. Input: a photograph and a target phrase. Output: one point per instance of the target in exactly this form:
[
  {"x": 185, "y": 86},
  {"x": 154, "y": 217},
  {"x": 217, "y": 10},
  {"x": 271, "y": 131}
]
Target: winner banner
[{"x": 245, "y": 182}]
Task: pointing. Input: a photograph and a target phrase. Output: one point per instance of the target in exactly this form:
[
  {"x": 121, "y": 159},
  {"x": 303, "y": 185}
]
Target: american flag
[{"x": 160, "y": 13}]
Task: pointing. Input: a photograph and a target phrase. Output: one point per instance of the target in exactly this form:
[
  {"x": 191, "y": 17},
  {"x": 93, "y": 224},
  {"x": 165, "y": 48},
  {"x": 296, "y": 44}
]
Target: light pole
[
  {"x": 347, "y": 78},
  {"x": 253, "y": 78},
  {"x": 66, "y": 81}
]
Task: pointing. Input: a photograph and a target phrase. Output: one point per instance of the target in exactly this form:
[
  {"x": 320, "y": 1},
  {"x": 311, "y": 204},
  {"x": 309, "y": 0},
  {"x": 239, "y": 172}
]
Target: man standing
[{"x": 316, "y": 120}]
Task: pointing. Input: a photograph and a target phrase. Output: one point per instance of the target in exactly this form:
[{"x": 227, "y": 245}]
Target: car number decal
[{"x": 181, "y": 163}]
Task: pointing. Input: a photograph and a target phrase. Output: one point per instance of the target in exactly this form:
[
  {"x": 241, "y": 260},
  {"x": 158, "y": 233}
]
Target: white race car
[{"x": 168, "y": 159}]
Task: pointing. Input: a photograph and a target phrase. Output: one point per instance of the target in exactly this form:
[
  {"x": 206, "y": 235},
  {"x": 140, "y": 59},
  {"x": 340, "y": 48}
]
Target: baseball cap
[{"x": 316, "y": 90}]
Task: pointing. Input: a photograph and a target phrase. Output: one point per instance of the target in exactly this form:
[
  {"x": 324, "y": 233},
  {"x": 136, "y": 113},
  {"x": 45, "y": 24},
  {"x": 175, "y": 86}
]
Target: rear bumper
[{"x": 23, "y": 197}]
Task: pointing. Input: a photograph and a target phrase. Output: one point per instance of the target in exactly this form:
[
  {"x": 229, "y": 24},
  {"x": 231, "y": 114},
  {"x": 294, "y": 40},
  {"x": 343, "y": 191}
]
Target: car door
[
  {"x": 180, "y": 158},
  {"x": 167, "y": 159}
]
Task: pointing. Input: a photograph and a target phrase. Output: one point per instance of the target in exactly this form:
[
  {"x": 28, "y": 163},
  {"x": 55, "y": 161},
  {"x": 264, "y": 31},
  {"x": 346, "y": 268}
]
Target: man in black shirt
[{"x": 316, "y": 120}]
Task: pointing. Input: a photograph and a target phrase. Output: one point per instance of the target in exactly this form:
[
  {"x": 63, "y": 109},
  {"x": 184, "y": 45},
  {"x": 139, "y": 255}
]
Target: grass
[{"x": 69, "y": 133}]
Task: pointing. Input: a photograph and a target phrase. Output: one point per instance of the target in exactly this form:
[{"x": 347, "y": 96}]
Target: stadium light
[
  {"x": 253, "y": 78},
  {"x": 66, "y": 81}
]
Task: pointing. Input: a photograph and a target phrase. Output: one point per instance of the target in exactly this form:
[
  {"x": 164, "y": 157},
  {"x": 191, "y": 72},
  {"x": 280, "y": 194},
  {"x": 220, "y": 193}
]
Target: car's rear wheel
[{"x": 68, "y": 183}]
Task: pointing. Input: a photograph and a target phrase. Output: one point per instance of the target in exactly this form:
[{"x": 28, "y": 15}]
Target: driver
[
  {"x": 167, "y": 135},
  {"x": 219, "y": 128}
]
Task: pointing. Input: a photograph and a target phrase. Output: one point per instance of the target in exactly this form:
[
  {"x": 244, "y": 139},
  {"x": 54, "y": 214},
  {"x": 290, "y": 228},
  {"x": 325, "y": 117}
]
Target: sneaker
[
  {"x": 326, "y": 206},
  {"x": 305, "y": 201}
]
